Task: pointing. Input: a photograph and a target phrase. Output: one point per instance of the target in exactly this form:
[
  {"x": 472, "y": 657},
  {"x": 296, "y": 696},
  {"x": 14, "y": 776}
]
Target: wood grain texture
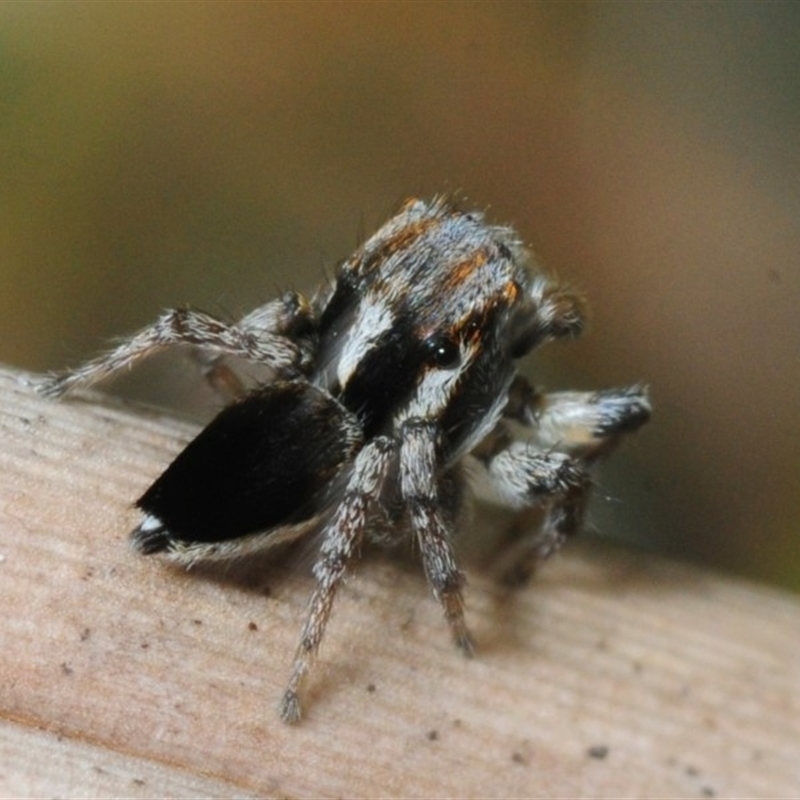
[{"x": 612, "y": 675}]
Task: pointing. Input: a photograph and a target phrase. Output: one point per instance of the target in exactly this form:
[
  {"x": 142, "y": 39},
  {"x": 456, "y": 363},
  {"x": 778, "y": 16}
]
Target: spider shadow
[{"x": 503, "y": 618}]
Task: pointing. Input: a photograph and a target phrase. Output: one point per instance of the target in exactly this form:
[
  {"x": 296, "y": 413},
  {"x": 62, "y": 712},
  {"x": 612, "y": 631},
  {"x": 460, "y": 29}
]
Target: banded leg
[
  {"x": 569, "y": 431},
  {"x": 523, "y": 477},
  {"x": 342, "y": 538},
  {"x": 290, "y": 315},
  {"x": 263, "y": 336},
  {"x": 419, "y": 490}
]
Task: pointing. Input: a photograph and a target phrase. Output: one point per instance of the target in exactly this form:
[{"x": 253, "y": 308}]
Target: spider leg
[
  {"x": 264, "y": 336},
  {"x": 342, "y": 537},
  {"x": 524, "y": 477},
  {"x": 566, "y": 432},
  {"x": 420, "y": 494},
  {"x": 290, "y": 315}
]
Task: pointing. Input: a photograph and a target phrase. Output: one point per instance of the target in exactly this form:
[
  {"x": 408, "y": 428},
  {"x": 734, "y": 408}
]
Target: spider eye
[{"x": 442, "y": 351}]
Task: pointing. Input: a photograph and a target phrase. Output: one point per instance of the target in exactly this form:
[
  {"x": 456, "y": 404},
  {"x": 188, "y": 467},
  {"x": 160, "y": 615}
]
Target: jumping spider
[{"x": 393, "y": 389}]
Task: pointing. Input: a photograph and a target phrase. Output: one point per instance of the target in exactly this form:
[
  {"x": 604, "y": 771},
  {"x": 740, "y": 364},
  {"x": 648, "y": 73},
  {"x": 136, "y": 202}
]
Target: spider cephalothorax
[{"x": 385, "y": 385}]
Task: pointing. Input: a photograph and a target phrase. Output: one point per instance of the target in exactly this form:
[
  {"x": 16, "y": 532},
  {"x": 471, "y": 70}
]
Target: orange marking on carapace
[
  {"x": 461, "y": 271},
  {"x": 511, "y": 291},
  {"x": 401, "y": 240}
]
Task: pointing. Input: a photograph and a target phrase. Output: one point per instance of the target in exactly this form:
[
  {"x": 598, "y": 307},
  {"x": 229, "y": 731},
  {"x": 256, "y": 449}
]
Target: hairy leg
[
  {"x": 342, "y": 538},
  {"x": 564, "y": 434},
  {"x": 264, "y": 336},
  {"x": 419, "y": 490}
]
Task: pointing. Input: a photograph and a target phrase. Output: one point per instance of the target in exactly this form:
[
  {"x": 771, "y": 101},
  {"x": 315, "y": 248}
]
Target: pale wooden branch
[{"x": 612, "y": 675}]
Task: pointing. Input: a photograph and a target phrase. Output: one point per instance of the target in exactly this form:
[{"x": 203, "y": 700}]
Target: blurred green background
[{"x": 159, "y": 154}]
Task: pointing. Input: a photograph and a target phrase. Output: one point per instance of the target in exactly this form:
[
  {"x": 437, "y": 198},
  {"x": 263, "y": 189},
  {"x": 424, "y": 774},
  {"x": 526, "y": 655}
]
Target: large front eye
[{"x": 442, "y": 351}]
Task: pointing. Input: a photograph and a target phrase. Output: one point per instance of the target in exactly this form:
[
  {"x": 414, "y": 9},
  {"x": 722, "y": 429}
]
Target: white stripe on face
[
  {"x": 433, "y": 394},
  {"x": 373, "y": 320}
]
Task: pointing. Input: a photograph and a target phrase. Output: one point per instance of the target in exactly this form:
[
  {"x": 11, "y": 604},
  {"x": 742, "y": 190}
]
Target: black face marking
[
  {"x": 258, "y": 464},
  {"x": 385, "y": 377}
]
